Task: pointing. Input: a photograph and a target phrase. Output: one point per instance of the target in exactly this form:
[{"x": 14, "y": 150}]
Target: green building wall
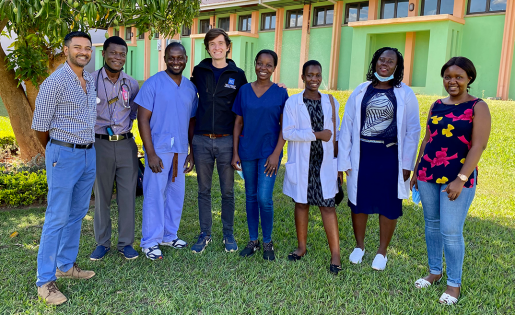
[{"x": 319, "y": 39}]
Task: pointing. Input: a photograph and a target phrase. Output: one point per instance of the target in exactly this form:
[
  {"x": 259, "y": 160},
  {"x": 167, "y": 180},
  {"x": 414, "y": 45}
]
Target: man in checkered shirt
[{"x": 64, "y": 121}]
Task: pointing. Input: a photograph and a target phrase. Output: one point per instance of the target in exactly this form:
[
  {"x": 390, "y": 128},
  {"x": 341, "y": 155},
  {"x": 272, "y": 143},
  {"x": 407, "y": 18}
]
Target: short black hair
[
  {"x": 71, "y": 35},
  {"x": 268, "y": 52},
  {"x": 174, "y": 45},
  {"x": 310, "y": 63},
  {"x": 117, "y": 40},
  {"x": 465, "y": 64},
  {"x": 398, "y": 75}
]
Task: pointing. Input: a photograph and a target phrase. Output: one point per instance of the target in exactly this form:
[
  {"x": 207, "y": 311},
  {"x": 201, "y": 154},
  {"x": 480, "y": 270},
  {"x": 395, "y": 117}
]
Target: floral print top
[{"x": 450, "y": 135}]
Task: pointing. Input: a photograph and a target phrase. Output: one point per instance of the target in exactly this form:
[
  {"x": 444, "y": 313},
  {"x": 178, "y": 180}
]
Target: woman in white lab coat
[
  {"x": 311, "y": 171},
  {"x": 377, "y": 149}
]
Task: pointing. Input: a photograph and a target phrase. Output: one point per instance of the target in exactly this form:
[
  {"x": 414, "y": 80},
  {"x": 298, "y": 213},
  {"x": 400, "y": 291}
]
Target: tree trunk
[{"x": 19, "y": 109}]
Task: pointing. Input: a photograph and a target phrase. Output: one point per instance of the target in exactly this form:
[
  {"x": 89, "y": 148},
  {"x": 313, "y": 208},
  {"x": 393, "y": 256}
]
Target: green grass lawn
[{"x": 216, "y": 282}]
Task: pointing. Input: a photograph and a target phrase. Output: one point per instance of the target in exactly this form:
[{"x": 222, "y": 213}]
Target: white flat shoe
[
  {"x": 357, "y": 255},
  {"x": 448, "y": 299},
  {"x": 423, "y": 283},
  {"x": 379, "y": 262}
]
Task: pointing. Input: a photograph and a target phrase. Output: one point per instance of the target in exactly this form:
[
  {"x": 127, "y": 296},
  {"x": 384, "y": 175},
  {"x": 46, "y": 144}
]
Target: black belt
[
  {"x": 114, "y": 137},
  {"x": 72, "y": 145}
]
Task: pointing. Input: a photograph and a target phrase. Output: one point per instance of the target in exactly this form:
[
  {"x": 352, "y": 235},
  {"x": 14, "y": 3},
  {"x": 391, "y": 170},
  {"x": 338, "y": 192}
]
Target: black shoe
[
  {"x": 334, "y": 269},
  {"x": 250, "y": 249},
  {"x": 268, "y": 251},
  {"x": 294, "y": 257}
]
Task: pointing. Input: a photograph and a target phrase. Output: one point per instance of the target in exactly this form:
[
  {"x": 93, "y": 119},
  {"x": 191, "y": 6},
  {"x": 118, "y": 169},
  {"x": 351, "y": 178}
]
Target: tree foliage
[{"x": 41, "y": 25}]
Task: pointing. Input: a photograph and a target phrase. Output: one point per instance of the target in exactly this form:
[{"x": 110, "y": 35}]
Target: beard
[{"x": 77, "y": 62}]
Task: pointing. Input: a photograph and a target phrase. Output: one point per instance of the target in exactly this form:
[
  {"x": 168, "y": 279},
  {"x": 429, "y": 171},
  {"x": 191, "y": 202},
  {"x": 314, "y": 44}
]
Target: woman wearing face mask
[
  {"x": 311, "y": 171},
  {"x": 258, "y": 148},
  {"x": 457, "y": 132},
  {"x": 377, "y": 148}
]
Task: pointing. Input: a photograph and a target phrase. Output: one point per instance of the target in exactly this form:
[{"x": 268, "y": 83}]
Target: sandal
[
  {"x": 423, "y": 283},
  {"x": 334, "y": 269},
  {"x": 294, "y": 257},
  {"x": 448, "y": 299}
]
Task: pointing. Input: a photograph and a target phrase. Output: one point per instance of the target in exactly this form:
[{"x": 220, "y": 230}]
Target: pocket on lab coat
[{"x": 291, "y": 172}]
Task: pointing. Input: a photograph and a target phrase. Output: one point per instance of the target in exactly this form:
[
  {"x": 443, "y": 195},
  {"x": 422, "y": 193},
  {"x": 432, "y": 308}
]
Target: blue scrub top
[
  {"x": 261, "y": 118},
  {"x": 172, "y": 106}
]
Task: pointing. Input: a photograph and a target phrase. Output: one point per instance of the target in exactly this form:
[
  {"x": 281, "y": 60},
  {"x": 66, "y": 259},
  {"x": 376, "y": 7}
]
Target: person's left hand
[
  {"x": 189, "y": 160},
  {"x": 271, "y": 165},
  {"x": 454, "y": 189},
  {"x": 282, "y": 85},
  {"x": 406, "y": 174}
]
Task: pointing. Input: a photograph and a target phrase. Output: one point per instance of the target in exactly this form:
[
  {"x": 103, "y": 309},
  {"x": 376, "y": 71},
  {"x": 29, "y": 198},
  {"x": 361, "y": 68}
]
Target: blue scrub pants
[
  {"x": 70, "y": 177},
  {"x": 163, "y": 201}
]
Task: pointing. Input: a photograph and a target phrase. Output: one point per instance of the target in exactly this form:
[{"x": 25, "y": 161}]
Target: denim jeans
[
  {"x": 444, "y": 228},
  {"x": 258, "y": 191},
  {"x": 70, "y": 176},
  {"x": 205, "y": 152}
]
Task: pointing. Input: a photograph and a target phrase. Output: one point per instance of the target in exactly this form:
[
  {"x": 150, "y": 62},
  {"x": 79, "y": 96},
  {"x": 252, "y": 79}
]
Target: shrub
[{"x": 22, "y": 188}]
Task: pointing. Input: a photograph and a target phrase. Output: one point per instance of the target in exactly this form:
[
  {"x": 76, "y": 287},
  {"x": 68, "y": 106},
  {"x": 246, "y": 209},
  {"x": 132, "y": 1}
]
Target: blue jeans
[
  {"x": 205, "y": 152},
  {"x": 444, "y": 228},
  {"x": 70, "y": 176},
  {"x": 258, "y": 190}
]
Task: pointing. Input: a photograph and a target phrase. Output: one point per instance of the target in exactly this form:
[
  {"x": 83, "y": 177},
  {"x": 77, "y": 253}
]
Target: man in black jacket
[{"x": 218, "y": 80}]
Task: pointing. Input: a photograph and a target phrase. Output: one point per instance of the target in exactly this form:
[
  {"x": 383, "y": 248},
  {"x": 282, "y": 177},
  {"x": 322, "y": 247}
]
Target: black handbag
[{"x": 340, "y": 195}]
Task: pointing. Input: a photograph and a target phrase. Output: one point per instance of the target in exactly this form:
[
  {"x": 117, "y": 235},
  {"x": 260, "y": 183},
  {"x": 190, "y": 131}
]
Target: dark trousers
[
  {"x": 116, "y": 161},
  {"x": 205, "y": 152}
]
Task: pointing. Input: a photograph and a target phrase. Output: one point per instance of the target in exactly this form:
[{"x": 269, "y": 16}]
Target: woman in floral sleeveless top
[{"x": 457, "y": 132}]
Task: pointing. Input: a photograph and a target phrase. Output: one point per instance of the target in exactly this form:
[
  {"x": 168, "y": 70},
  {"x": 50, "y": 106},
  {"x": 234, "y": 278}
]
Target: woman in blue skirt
[{"x": 377, "y": 149}]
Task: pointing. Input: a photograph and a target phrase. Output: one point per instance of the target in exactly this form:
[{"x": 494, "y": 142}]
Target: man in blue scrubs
[{"x": 167, "y": 106}]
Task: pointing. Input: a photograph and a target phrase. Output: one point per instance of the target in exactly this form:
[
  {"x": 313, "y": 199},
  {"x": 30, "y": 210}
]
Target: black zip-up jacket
[{"x": 214, "y": 113}]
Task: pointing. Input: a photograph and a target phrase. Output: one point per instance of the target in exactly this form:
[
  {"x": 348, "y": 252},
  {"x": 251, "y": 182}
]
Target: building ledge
[
  {"x": 405, "y": 20},
  {"x": 235, "y": 33}
]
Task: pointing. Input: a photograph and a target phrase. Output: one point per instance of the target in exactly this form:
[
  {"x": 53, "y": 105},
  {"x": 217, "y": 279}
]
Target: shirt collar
[
  {"x": 85, "y": 74},
  {"x": 122, "y": 76}
]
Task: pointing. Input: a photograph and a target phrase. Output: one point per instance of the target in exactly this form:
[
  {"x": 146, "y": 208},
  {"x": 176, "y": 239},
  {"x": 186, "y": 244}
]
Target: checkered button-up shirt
[{"x": 63, "y": 109}]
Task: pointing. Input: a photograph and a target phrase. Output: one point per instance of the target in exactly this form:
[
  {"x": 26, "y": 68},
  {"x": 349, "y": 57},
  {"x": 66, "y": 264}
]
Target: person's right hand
[
  {"x": 413, "y": 181},
  {"x": 236, "y": 163},
  {"x": 155, "y": 163},
  {"x": 324, "y": 135}
]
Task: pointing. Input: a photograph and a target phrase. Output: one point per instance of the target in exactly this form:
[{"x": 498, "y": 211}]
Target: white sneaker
[
  {"x": 153, "y": 253},
  {"x": 357, "y": 255},
  {"x": 176, "y": 243},
  {"x": 379, "y": 262}
]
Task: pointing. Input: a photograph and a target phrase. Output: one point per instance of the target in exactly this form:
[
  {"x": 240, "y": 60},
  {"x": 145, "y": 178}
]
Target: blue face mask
[{"x": 383, "y": 79}]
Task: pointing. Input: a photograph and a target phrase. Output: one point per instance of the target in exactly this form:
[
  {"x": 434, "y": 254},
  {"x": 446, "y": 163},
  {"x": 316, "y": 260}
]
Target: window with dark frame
[
  {"x": 434, "y": 7},
  {"x": 294, "y": 18},
  {"x": 141, "y": 35},
  {"x": 486, "y": 6},
  {"x": 324, "y": 16},
  {"x": 268, "y": 21},
  {"x": 224, "y": 23},
  {"x": 357, "y": 11},
  {"x": 245, "y": 23},
  {"x": 117, "y": 32},
  {"x": 128, "y": 33},
  {"x": 186, "y": 31},
  {"x": 156, "y": 35},
  {"x": 204, "y": 26},
  {"x": 391, "y": 9}
]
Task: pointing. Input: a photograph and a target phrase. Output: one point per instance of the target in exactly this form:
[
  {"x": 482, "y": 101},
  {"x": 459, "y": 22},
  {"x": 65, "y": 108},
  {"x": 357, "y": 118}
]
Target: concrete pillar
[
  {"x": 233, "y": 19},
  {"x": 503, "y": 84},
  {"x": 194, "y": 30},
  {"x": 334, "y": 59},
  {"x": 110, "y": 31},
  {"x": 254, "y": 26},
  {"x": 459, "y": 8},
  {"x": 304, "y": 43},
  {"x": 146, "y": 65},
  {"x": 415, "y": 8},
  {"x": 373, "y": 6},
  {"x": 212, "y": 21},
  {"x": 279, "y": 23},
  {"x": 409, "y": 56}
]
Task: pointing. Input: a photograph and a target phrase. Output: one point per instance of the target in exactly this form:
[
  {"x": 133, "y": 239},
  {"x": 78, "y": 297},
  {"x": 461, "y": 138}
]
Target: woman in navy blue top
[{"x": 258, "y": 147}]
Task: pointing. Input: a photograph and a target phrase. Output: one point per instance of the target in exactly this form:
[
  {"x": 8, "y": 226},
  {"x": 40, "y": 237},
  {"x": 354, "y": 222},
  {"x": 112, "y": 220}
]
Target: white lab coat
[
  {"x": 408, "y": 134},
  {"x": 299, "y": 134}
]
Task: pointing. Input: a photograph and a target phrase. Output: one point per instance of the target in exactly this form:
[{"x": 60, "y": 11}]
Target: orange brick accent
[
  {"x": 503, "y": 84},
  {"x": 409, "y": 56},
  {"x": 334, "y": 59},
  {"x": 254, "y": 26},
  {"x": 459, "y": 8},
  {"x": 232, "y": 22},
  {"x": 279, "y": 23},
  {"x": 304, "y": 43},
  {"x": 212, "y": 21},
  {"x": 373, "y": 6},
  {"x": 415, "y": 10},
  {"x": 146, "y": 66},
  {"x": 110, "y": 31},
  {"x": 194, "y": 30}
]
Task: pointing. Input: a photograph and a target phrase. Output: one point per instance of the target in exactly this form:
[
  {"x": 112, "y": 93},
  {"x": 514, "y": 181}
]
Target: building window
[
  {"x": 294, "y": 18},
  {"x": 356, "y": 12},
  {"x": 391, "y": 9},
  {"x": 433, "y": 7},
  {"x": 186, "y": 31},
  {"x": 268, "y": 21},
  {"x": 485, "y": 6},
  {"x": 128, "y": 33},
  {"x": 204, "y": 26},
  {"x": 324, "y": 16},
  {"x": 245, "y": 23},
  {"x": 224, "y": 23},
  {"x": 141, "y": 35},
  {"x": 156, "y": 35},
  {"x": 116, "y": 32}
]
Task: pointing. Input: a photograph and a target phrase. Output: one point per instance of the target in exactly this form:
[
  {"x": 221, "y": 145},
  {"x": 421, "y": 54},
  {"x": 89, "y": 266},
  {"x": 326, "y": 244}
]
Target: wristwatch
[{"x": 463, "y": 177}]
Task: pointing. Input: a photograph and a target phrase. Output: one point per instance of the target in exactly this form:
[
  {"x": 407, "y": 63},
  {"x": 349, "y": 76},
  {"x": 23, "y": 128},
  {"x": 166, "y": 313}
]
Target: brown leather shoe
[
  {"x": 51, "y": 294},
  {"x": 75, "y": 273}
]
